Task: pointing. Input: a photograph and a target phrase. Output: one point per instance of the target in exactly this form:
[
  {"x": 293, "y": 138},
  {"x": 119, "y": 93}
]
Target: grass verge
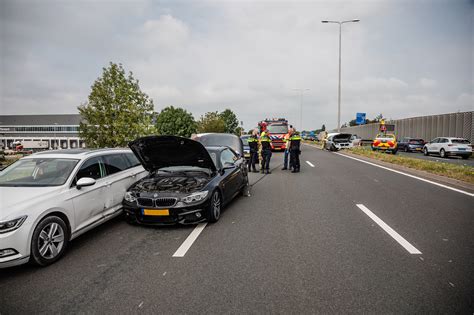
[{"x": 459, "y": 172}]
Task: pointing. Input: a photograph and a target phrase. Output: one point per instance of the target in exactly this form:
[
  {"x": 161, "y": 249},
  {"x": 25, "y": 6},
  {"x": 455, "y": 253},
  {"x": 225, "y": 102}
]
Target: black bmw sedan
[{"x": 187, "y": 182}]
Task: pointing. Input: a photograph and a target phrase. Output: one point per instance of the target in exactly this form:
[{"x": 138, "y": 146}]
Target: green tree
[
  {"x": 230, "y": 121},
  {"x": 116, "y": 112},
  {"x": 175, "y": 121},
  {"x": 211, "y": 122}
]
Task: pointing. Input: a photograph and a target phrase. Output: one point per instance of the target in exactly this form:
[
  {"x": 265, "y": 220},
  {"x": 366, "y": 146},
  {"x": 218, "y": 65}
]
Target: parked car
[
  {"x": 338, "y": 141},
  {"x": 408, "y": 144},
  {"x": 356, "y": 141},
  {"x": 385, "y": 142},
  {"x": 448, "y": 146},
  {"x": 245, "y": 142},
  {"x": 187, "y": 182},
  {"x": 50, "y": 198}
]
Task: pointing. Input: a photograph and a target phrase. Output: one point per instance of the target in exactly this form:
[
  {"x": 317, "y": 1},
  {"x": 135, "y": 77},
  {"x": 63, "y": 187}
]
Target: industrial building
[{"x": 61, "y": 131}]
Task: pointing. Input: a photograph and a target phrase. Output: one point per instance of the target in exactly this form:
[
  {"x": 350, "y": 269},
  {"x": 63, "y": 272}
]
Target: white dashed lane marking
[
  {"x": 309, "y": 163},
  {"x": 410, "y": 248}
]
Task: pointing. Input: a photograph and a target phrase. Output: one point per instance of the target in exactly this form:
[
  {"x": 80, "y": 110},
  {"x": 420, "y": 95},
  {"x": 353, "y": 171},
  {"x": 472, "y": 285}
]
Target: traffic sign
[{"x": 360, "y": 118}]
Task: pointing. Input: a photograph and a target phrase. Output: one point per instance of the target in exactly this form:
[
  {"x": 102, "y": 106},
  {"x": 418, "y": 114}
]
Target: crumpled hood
[
  {"x": 13, "y": 199},
  {"x": 155, "y": 152}
]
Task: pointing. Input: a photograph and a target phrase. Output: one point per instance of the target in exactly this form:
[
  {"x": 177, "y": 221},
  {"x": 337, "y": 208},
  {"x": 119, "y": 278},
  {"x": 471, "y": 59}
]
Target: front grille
[
  {"x": 165, "y": 202},
  {"x": 145, "y": 202}
]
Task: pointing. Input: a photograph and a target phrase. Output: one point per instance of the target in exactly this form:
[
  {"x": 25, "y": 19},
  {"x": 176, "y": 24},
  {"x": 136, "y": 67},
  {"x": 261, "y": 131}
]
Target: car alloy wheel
[
  {"x": 215, "y": 207},
  {"x": 425, "y": 151},
  {"x": 442, "y": 153},
  {"x": 406, "y": 149},
  {"x": 49, "y": 241}
]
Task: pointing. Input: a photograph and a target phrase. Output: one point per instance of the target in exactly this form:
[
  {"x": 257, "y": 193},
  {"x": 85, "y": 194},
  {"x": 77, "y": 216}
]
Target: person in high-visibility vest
[
  {"x": 286, "y": 139},
  {"x": 295, "y": 141},
  {"x": 253, "y": 144},
  {"x": 265, "y": 143}
]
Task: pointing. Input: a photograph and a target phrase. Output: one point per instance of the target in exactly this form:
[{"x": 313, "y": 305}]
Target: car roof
[{"x": 77, "y": 153}]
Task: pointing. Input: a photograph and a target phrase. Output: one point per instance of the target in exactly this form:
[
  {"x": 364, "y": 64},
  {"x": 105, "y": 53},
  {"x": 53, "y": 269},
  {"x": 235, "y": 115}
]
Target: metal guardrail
[{"x": 425, "y": 127}]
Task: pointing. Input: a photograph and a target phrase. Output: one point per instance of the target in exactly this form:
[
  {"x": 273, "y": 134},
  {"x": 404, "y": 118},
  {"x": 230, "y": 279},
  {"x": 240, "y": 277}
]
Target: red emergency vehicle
[{"x": 276, "y": 128}]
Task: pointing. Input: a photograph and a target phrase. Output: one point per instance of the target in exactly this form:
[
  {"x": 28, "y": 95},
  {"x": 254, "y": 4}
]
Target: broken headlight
[{"x": 130, "y": 197}]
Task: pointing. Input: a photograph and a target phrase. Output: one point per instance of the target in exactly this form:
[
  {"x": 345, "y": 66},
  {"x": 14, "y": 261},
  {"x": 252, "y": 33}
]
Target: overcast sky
[{"x": 403, "y": 59}]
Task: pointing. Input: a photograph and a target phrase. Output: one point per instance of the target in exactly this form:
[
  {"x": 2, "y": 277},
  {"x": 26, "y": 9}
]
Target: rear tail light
[
  {"x": 390, "y": 143},
  {"x": 451, "y": 145},
  {"x": 376, "y": 142}
]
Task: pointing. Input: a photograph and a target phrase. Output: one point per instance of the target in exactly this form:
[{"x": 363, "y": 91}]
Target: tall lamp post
[
  {"x": 339, "y": 88},
  {"x": 301, "y": 106}
]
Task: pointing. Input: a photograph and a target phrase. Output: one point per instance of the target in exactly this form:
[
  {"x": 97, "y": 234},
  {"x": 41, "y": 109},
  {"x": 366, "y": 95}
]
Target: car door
[
  {"x": 432, "y": 146},
  {"x": 118, "y": 179},
  {"x": 89, "y": 201},
  {"x": 232, "y": 173}
]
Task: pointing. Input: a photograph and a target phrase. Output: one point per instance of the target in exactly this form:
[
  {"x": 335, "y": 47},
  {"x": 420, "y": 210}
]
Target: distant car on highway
[
  {"x": 245, "y": 142},
  {"x": 408, "y": 144},
  {"x": 52, "y": 197},
  {"x": 385, "y": 142},
  {"x": 187, "y": 183},
  {"x": 338, "y": 141},
  {"x": 448, "y": 146}
]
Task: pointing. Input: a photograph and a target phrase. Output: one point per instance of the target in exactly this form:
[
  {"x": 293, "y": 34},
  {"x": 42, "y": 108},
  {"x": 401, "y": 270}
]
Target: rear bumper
[{"x": 458, "y": 153}]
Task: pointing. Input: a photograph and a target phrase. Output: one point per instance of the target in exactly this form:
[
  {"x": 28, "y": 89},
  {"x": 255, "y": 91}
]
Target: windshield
[
  {"x": 245, "y": 140},
  {"x": 37, "y": 172},
  {"x": 278, "y": 128}
]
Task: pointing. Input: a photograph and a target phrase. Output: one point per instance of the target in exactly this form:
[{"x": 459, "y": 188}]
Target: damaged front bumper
[{"x": 187, "y": 215}]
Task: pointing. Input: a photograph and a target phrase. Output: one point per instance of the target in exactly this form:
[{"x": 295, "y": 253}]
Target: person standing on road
[
  {"x": 295, "y": 141},
  {"x": 266, "y": 152},
  {"x": 253, "y": 144},
  {"x": 286, "y": 139}
]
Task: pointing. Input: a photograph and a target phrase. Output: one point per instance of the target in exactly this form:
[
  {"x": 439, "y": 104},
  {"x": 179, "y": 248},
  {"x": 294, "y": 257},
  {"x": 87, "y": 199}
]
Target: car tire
[
  {"x": 465, "y": 157},
  {"x": 407, "y": 150},
  {"x": 442, "y": 153},
  {"x": 425, "y": 151},
  {"x": 394, "y": 151},
  {"x": 215, "y": 207},
  {"x": 373, "y": 149},
  {"x": 49, "y": 241}
]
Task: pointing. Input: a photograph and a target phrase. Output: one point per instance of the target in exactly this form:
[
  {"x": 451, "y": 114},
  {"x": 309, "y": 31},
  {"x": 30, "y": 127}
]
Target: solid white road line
[
  {"x": 409, "y": 175},
  {"x": 190, "y": 240},
  {"x": 310, "y": 164},
  {"x": 410, "y": 248}
]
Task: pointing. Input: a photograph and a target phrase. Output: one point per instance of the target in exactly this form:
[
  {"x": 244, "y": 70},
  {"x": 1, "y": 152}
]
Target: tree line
[{"x": 118, "y": 111}]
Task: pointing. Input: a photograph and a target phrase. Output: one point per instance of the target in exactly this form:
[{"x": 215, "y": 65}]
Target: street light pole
[
  {"x": 301, "y": 106},
  {"x": 339, "y": 84}
]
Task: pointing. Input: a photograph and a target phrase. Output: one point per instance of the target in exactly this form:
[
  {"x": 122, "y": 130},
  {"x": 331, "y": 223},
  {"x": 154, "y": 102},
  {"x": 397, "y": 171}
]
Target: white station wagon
[{"x": 49, "y": 198}]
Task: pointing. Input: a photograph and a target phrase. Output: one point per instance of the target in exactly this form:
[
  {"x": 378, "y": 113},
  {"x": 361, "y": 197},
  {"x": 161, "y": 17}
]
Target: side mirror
[{"x": 84, "y": 182}]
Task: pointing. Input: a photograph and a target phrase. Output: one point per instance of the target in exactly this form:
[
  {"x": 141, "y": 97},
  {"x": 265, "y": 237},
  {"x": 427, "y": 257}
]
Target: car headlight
[
  {"x": 7, "y": 226},
  {"x": 195, "y": 197},
  {"x": 130, "y": 197}
]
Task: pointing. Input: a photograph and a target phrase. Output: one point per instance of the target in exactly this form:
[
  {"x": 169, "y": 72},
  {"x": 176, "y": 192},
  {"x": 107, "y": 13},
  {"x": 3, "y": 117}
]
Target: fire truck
[{"x": 277, "y": 128}]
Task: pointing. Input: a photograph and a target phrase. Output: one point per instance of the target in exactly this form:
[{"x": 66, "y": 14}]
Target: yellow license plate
[{"x": 162, "y": 212}]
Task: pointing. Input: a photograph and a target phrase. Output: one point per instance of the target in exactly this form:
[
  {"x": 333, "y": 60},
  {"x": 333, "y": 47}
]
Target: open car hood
[{"x": 155, "y": 152}]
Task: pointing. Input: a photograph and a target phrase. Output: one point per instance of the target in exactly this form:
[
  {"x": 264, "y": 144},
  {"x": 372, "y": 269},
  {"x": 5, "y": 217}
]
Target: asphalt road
[
  {"x": 300, "y": 244},
  {"x": 452, "y": 159}
]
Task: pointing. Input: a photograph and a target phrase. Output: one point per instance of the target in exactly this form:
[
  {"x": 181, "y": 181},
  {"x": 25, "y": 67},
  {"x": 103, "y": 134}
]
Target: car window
[
  {"x": 444, "y": 140},
  {"x": 227, "y": 157},
  {"x": 435, "y": 140},
  {"x": 92, "y": 168},
  {"x": 460, "y": 141},
  {"x": 132, "y": 159},
  {"x": 115, "y": 163}
]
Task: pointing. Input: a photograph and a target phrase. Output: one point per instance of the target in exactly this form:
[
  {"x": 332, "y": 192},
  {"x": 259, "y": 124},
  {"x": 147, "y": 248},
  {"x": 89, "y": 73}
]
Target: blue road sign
[{"x": 360, "y": 118}]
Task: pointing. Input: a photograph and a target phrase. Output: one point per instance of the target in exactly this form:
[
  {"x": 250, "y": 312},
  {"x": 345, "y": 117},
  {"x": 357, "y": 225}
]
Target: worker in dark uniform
[
  {"x": 295, "y": 141},
  {"x": 253, "y": 144},
  {"x": 266, "y": 152}
]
